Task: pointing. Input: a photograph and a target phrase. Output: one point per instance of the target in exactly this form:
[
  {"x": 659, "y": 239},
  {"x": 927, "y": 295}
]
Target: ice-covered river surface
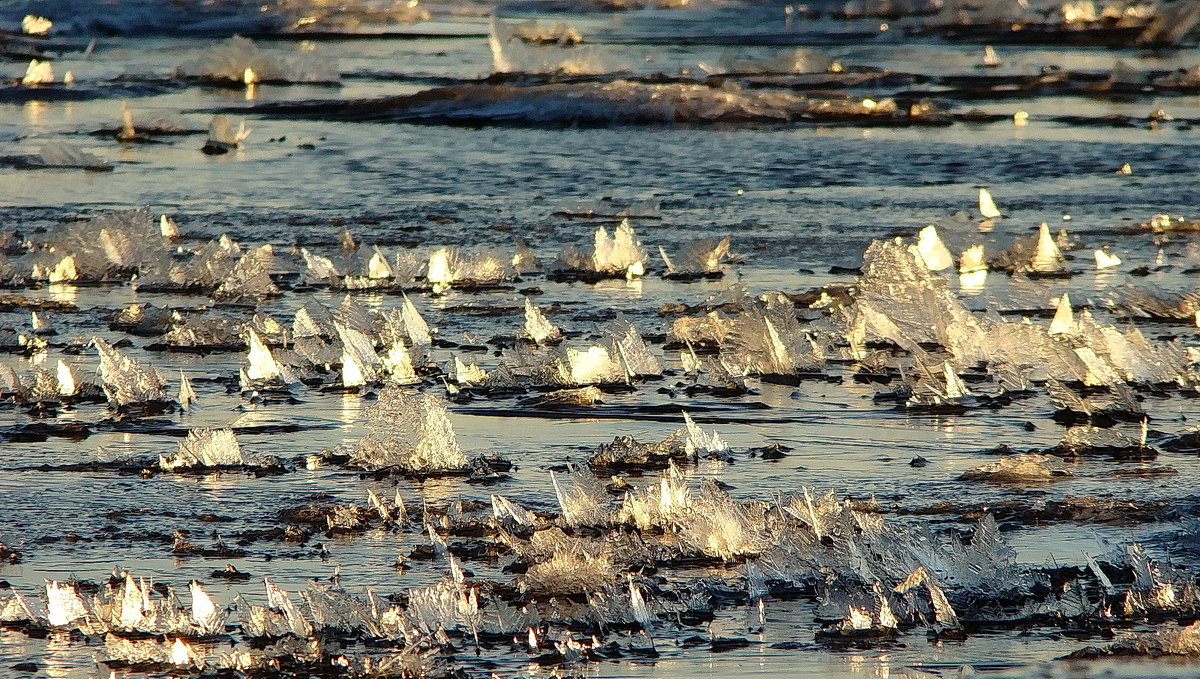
[{"x": 801, "y": 202}]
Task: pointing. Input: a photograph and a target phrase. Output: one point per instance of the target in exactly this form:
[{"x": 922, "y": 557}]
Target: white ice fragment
[
  {"x": 125, "y": 380},
  {"x": 409, "y": 431},
  {"x": 38, "y": 73},
  {"x": 1105, "y": 260},
  {"x": 987, "y": 206},
  {"x": 618, "y": 254},
  {"x": 68, "y": 381},
  {"x": 40, "y": 323},
  {"x": 591, "y": 366},
  {"x": 537, "y": 327},
  {"x": 1064, "y": 318},
  {"x": 181, "y": 653},
  {"x": 990, "y": 58},
  {"x": 700, "y": 443},
  {"x": 360, "y": 363},
  {"x": 187, "y": 395},
  {"x": 933, "y": 250},
  {"x": 205, "y": 448},
  {"x": 378, "y": 267},
  {"x": 972, "y": 260},
  {"x": 641, "y": 612},
  {"x": 222, "y": 138},
  {"x": 262, "y": 365},
  {"x": 415, "y": 325},
  {"x": 398, "y": 364},
  {"x": 955, "y": 387},
  {"x": 467, "y": 374},
  {"x": 63, "y": 603},
  {"x": 64, "y": 271},
  {"x": 319, "y": 268},
  {"x": 167, "y": 227},
  {"x": 1047, "y": 258},
  {"x": 204, "y": 612},
  {"x": 35, "y": 25},
  {"x": 62, "y": 154},
  {"x": 438, "y": 272}
]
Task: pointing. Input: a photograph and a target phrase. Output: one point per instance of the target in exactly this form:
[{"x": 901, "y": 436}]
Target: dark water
[{"x": 796, "y": 199}]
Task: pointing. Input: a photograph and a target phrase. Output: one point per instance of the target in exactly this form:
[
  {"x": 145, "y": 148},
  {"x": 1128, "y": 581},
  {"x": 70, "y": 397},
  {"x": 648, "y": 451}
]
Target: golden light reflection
[
  {"x": 63, "y": 293},
  {"x": 972, "y": 283},
  {"x": 34, "y": 110}
]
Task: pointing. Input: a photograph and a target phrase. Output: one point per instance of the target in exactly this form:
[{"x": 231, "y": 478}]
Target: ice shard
[
  {"x": 205, "y": 448},
  {"x": 987, "y": 206},
  {"x": 937, "y": 257}
]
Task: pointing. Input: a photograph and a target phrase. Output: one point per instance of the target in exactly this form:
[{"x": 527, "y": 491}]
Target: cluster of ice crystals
[
  {"x": 205, "y": 448},
  {"x": 240, "y": 60},
  {"x": 126, "y": 381},
  {"x": 409, "y": 431}
]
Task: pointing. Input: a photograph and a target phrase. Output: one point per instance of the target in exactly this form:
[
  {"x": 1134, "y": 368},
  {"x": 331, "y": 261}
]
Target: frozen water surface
[{"x": 842, "y": 433}]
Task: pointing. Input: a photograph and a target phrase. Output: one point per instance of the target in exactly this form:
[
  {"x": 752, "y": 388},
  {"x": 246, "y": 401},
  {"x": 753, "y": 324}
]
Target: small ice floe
[
  {"x": 987, "y": 206},
  {"x": 205, "y": 448},
  {"x": 1162, "y": 222},
  {"x": 1180, "y": 642},
  {"x": 222, "y": 138},
  {"x": 38, "y": 73},
  {"x": 1154, "y": 303},
  {"x": 1023, "y": 468},
  {"x": 862, "y": 623},
  {"x": 768, "y": 341},
  {"x": 626, "y": 454},
  {"x": 617, "y": 256},
  {"x": 35, "y": 25},
  {"x": 248, "y": 280},
  {"x": 1105, "y": 259},
  {"x": 1038, "y": 255},
  {"x": 695, "y": 260},
  {"x": 937, "y": 391}
]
